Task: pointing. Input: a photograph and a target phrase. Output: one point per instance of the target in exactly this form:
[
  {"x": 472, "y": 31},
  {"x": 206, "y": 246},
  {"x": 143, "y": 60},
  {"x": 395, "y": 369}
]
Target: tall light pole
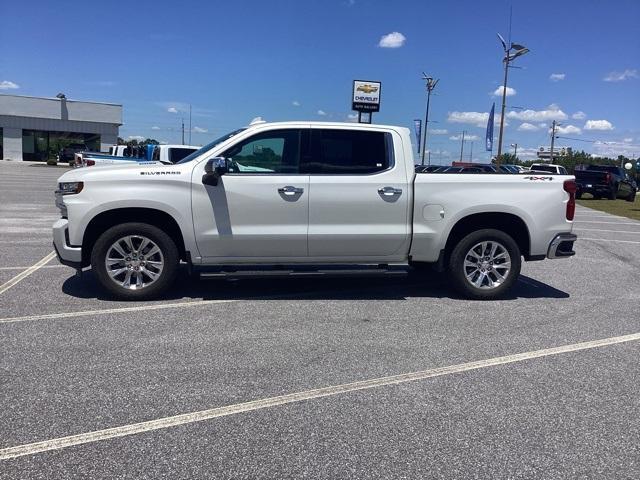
[
  {"x": 515, "y": 149},
  {"x": 511, "y": 53},
  {"x": 462, "y": 144},
  {"x": 431, "y": 84}
]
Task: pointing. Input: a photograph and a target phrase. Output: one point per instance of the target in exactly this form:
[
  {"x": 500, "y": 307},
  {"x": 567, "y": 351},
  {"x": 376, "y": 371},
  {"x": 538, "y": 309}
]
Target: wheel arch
[
  {"x": 509, "y": 223},
  {"x": 151, "y": 216}
]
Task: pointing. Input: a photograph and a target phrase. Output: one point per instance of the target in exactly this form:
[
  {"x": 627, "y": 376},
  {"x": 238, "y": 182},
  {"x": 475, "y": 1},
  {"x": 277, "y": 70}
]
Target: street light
[
  {"x": 515, "y": 149},
  {"x": 431, "y": 84},
  {"x": 510, "y": 54}
]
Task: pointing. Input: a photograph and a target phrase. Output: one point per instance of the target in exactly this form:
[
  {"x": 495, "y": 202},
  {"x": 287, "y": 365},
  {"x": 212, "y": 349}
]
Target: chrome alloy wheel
[
  {"x": 134, "y": 262},
  {"x": 487, "y": 265}
]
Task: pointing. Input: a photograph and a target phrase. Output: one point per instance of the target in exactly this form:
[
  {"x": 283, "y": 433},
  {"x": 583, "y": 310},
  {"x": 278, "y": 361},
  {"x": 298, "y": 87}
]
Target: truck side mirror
[{"x": 214, "y": 169}]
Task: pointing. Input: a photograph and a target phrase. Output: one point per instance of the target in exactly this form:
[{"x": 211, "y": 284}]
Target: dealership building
[{"x": 36, "y": 128}]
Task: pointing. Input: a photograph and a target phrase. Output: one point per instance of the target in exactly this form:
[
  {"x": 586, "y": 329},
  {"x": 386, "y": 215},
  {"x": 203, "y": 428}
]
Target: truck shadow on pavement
[{"x": 351, "y": 288}]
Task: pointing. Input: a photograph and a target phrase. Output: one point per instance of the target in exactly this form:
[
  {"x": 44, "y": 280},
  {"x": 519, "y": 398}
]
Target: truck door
[
  {"x": 260, "y": 208},
  {"x": 358, "y": 203}
]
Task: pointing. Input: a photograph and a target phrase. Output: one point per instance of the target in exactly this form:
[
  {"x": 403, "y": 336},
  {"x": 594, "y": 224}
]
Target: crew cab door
[
  {"x": 359, "y": 195},
  {"x": 260, "y": 208}
]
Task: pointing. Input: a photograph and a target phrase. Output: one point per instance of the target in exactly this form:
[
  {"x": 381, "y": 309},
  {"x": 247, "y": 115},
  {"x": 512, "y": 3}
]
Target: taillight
[
  {"x": 570, "y": 187},
  {"x": 608, "y": 179},
  {"x": 90, "y": 163}
]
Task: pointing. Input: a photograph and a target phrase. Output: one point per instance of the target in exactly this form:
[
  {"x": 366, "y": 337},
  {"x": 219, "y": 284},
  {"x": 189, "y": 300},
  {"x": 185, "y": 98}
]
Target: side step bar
[{"x": 326, "y": 272}]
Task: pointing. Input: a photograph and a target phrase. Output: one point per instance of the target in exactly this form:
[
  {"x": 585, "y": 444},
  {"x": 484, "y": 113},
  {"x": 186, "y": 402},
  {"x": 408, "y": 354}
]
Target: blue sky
[{"x": 289, "y": 60}]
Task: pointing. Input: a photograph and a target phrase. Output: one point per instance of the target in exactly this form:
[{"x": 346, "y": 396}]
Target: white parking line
[
  {"x": 44, "y": 266},
  {"x": 107, "y": 311},
  {"x": 21, "y": 276},
  {"x": 598, "y": 230},
  {"x": 606, "y": 240},
  {"x": 187, "y": 418},
  {"x": 609, "y": 223}
]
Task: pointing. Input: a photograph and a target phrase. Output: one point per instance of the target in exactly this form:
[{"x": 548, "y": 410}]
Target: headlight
[{"x": 69, "y": 188}]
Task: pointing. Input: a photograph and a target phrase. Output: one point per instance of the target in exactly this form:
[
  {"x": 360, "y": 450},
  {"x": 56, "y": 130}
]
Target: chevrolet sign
[{"x": 366, "y": 96}]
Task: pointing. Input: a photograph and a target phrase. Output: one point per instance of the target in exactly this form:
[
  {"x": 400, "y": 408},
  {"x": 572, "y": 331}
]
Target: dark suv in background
[
  {"x": 66, "y": 154},
  {"x": 605, "y": 181}
]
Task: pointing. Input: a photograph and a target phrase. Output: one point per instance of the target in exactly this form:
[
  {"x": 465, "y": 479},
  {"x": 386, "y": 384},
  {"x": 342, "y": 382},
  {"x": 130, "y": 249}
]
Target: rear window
[
  {"x": 177, "y": 154},
  {"x": 544, "y": 168},
  {"x": 349, "y": 152}
]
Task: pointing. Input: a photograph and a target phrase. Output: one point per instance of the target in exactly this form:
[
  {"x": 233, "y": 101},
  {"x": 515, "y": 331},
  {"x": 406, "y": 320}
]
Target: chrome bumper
[
  {"x": 562, "y": 246},
  {"x": 68, "y": 255}
]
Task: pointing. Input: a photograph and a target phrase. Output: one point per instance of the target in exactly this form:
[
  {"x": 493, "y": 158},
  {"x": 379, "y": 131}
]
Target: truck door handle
[
  {"x": 289, "y": 190},
  {"x": 388, "y": 191}
]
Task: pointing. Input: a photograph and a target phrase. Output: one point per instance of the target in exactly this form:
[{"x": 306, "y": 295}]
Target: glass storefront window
[{"x": 41, "y": 146}]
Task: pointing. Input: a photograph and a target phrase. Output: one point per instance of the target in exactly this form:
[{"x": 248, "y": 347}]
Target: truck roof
[{"x": 298, "y": 123}]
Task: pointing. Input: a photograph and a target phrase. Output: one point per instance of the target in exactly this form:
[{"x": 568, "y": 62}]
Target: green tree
[{"x": 507, "y": 159}]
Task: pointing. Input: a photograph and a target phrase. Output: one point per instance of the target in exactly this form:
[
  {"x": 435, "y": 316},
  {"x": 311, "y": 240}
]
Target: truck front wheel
[
  {"x": 485, "y": 264},
  {"x": 135, "y": 261}
]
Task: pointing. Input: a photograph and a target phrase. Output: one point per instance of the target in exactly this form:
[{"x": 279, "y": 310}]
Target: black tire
[
  {"x": 169, "y": 256},
  {"x": 632, "y": 196},
  {"x": 596, "y": 197},
  {"x": 612, "y": 194},
  {"x": 458, "y": 272}
]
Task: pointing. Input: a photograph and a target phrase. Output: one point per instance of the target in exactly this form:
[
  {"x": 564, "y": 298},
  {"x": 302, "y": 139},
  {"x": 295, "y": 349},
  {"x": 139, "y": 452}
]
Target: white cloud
[
  {"x": 172, "y": 110},
  {"x": 322, "y": 113},
  {"x": 155, "y": 128},
  {"x": 479, "y": 119},
  {"x": 567, "y": 130},
  {"x": 542, "y": 125},
  {"x": 466, "y": 137},
  {"x": 621, "y": 76},
  {"x": 7, "y": 85},
  {"x": 392, "y": 40},
  {"x": 439, "y": 131},
  {"x": 552, "y": 112},
  {"x": 498, "y": 91},
  {"x": 579, "y": 115},
  {"x": 200, "y": 130},
  {"x": 527, "y": 153},
  {"x": 139, "y": 138},
  {"x": 295, "y": 103},
  {"x": 598, "y": 125},
  {"x": 352, "y": 117},
  {"x": 528, "y": 127},
  {"x": 613, "y": 149},
  {"x": 627, "y": 140},
  {"x": 556, "y": 77}
]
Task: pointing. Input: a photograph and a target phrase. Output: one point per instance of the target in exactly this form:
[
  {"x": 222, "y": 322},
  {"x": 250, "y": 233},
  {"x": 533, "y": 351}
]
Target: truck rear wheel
[
  {"x": 135, "y": 261},
  {"x": 485, "y": 264}
]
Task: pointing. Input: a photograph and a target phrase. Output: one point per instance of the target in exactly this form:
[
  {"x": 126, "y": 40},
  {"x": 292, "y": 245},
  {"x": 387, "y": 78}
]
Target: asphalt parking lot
[{"x": 160, "y": 389}]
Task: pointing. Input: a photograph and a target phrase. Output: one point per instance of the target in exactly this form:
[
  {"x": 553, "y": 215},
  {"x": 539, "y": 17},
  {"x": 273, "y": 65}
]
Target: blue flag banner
[
  {"x": 489, "y": 137},
  {"x": 418, "y": 126}
]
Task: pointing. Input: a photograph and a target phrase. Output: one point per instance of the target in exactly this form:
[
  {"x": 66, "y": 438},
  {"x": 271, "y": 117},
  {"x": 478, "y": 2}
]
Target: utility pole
[
  {"x": 190, "y": 125},
  {"x": 462, "y": 144},
  {"x": 431, "y": 84},
  {"x": 471, "y": 153},
  {"x": 553, "y": 137}
]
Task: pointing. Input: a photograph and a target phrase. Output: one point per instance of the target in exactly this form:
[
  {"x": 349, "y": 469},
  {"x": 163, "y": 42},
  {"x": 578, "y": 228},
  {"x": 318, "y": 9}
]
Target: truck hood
[{"x": 129, "y": 171}]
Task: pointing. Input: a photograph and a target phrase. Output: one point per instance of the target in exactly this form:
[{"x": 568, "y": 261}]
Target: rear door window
[{"x": 349, "y": 152}]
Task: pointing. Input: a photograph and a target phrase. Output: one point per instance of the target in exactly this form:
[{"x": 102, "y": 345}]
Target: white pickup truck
[
  {"x": 304, "y": 196},
  {"x": 122, "y": 153}
]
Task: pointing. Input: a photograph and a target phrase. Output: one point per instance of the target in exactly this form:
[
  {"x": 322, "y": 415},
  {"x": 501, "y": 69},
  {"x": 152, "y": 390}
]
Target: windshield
[
  {"x": 209, "y": 146},
  {"x": 544, "y": 168}
]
